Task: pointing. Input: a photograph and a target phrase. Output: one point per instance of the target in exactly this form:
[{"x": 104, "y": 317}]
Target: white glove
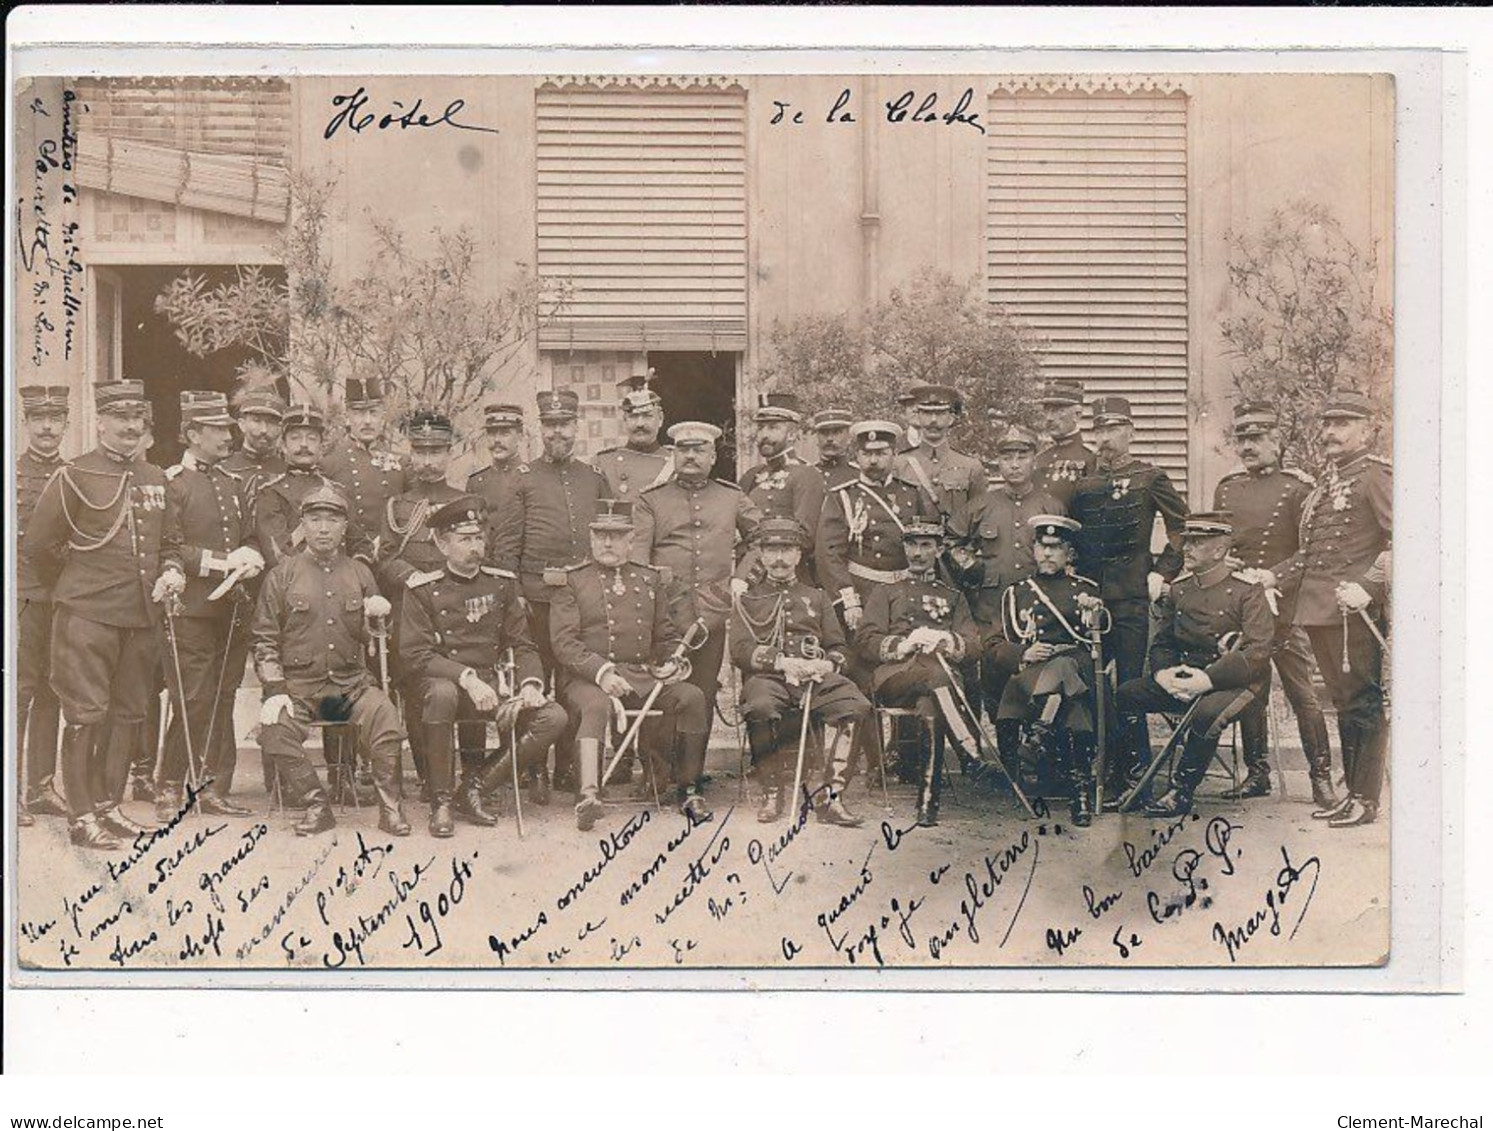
[
  {"x": 1352, "y": 596},
  {"x": 944, "y": 643},
  {"x": 530, "y": 695},
  {"x": 271, "y": 709},
  {"x": 815, "y": 670},
  {"x": 1259, "y": 577},
  {"x": 245, "y": 559},
  {"x": 793, "y": 669},
  {"x": 482, "y": 694},
  {"x": 854, "y": 614},
  {"x": 376, "y": 606},
  {"x": 1156, "y": 586},
  {"x": 171, "y": 583},
  {"x": 614, "y": 684},
  {"x": 1189, "y": 683},
  {"x": 1039, "y": 653},
  {"x": 739, "y": 586}
]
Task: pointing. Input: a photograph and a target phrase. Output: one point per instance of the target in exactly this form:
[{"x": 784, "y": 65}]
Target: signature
[
  {"x": 355, "y": 115},
  {"x": 1235, "y": 939}
]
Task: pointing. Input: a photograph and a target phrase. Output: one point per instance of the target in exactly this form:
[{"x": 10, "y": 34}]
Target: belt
[{"x": 886, "y": 576}]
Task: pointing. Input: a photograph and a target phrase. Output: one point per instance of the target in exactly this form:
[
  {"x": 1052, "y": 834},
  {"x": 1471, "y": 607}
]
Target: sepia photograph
[{"x": 689, "y": 522}]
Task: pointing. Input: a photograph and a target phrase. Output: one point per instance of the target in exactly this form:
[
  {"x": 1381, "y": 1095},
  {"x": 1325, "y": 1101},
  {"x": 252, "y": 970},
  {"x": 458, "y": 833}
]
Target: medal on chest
[
  {"x": 1341, "y": 492},
  {"x": 479, "y": 607},
  {"x": 935, "y": 607},
  {"x": 619, "y": 586},
  {"x": 859, "y": 519},
  {"x": 153, "y": 498},
  {"x": 776, "y": 480},
  {"x": 1119, "y": 488}
]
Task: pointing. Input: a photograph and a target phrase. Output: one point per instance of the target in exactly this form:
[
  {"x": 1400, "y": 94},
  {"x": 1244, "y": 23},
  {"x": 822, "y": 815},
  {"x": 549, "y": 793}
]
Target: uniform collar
[
  {"x": 648, "y": 450},
  {"x": 55, "y": 457},
  {"x": 1030, "y": 487},
  {"x": 452, "y": 571},
  {"x": 691, "y": 484},
  {"x": 112, "y": 456},
  {"x": 872, "y": 483},
  {"x": 1351, "y": 460},
  {"x": 1213, "y": 574},
  {"x": 1265, "y": 472},
  {"x": 329, "y": 560},
  {"x": 192, "y": 463},
  {"x": 929, "y": 574},
  {"x": 1064, "y": 439},
  {"x": 938, "y": 450},
  {"x": 1110, "y": 469}
]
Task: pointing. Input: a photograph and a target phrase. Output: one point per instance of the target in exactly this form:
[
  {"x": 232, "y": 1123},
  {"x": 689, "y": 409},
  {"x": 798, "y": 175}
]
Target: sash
[{"x": 1053, "y": 609}]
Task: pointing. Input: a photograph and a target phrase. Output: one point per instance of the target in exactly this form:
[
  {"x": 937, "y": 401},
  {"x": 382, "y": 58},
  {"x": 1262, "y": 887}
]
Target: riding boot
[
  {"x": 533, "y": 758},
  {"x": 441, "y": 774},
  {"x": 87, "y": 832},
  {"x": 78, "y": 743},
  {"x": 387, "y": 785},
  {"x": 1319, "y": 768},
  {"x": 930, "y": 783},
  {"x": 1008, "y": 746},
  {"x": 43, "y": 800},
  {"x": 588, "y": 773},
  {"x": 482, "y": 782},
  {"x": 564, "y": 781},
  {"x": 1191, "y": 765},
  {"x": 1348, "y": 734},
  {"x": 691, "y": 767},
  {"x": 1121, "y": 770},
  {"x": 1081, "y": 777},
  {"x": 762, "y": 743},
  {"x": 838, "y": 742},
  {"x": 143, "y": 765},
  {"x": 306, "y": 784},
  {"x": 124, "y": 738}
]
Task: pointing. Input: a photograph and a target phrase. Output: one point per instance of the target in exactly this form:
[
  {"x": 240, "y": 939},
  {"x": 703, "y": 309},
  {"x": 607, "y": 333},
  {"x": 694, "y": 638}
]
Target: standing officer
[
  {"x": 310, "y": 632},
  {"x": 615, "y": 639},
  {"x": 361, "y": 461},
  {"x": 406, "y": 546},
  {"x": 1066, "y": 460},
  {"x": 1339, "y": 579},
  {"x": 691, "y": 528},
  {"x": 950, "y": 478},
  {"x": 210, "y": 636},
  {"x": 505, "y": 436},
  {"x": 1046, "y": 621},
  {"x": 786, "y": 639},
  {"x": 101, "y": 529},
  {"x": 260, "y": 415},
  {"x": 991, "y": 548},
  {"x": 642, "y": 462},
  {"x": 277, "y": 502},
  {"x": 38, "y": 714},
  {"x": 1212, "y": 644},
  {"x": 908, "y": 626},
  {"x": 783, "y": 484},
  {"x": 1265, "y": 502},
  {"x": 860, "y": 530},
  {"x": 1116, "y": 506},
  {"x": 459, "y": 624},
  {"x": 832, "y": 432}
]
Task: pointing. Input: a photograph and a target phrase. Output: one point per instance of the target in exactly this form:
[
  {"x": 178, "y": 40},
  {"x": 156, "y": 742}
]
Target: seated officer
[
  {"x": 786, "y": 639},
  {"x": 310, "y": 634},
  {"x": 458, "y": 623},
  {"x": 1045, "y": 625},
  {"x": 1212, "y": 644},
  {"x": 913, "y": 631},
  {"x": 615, "y": 639}
]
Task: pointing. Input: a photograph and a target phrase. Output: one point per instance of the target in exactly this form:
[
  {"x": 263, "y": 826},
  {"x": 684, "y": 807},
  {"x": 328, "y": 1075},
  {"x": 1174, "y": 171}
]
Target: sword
[
  {"x": 1171, "y": 743},
  {"x": 803, "y": 745},
  {"x": 181, "y": 692},
  {"x": 694, "y": 639},
  {"x": 972, "y": 720},
  {"x": 228, "y": 582}
]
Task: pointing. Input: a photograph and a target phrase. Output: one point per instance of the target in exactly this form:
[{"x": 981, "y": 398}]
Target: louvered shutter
[
  {"x": 1086, "y": 241},
  {"x": 642, "y": 211},
  {"x": 222, "y": 145}
]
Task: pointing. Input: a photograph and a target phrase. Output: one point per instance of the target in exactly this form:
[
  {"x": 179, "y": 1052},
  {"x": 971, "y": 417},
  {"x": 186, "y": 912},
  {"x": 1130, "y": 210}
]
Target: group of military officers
[{"x": 555, "y": 600}]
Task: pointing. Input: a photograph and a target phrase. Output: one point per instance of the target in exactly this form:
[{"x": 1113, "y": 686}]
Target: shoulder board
[
  {"x": 1237, "y": 473},
  {"x": 1183, "y": 576},
  {"x": 1240, "y": 575},
  {"x": 494, "y": 571},
  {"x": 236, "y": 475},
  {"x": 523, "y": 469},
  {"x": 657, "y": 487},
  {"x": 1297, "y": 473},
  {"x": 728, "y": 483},
  {"x": 1082, "y": 580},
  {"x": 609, "y": 451},
  {"x": 415, "y": 580},
  {"x": 174, "y": 470},
  {"x": 272, "y": 480}
]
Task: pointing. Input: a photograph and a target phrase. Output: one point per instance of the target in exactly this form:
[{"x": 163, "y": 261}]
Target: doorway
[
  {"x": 149, "y": 350},
  {"x": 700, "y": 385}
]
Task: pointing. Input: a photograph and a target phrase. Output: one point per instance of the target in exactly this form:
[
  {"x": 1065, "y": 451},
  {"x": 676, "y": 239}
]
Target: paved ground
[{"x": 1256, "y": 884}]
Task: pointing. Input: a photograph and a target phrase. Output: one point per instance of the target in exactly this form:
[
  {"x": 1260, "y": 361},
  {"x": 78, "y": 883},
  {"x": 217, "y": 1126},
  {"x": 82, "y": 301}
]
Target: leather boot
[
  {"x": 77, "y": 749},
  {"x": 113, "y": 820},
  {"x": 691, "y": 767},
  {"x": 124, "y": 740},
  {"x": 386, "y": 784},
  {"x": 1256, "y": 783},
  {"x": 44, "y": 801},
  {"x": 1193, "y": 763},
  {"x": 831, "y": 809},
  {"x": 930, "y": 783},
  {"x": 1081, "y": 778},
  {"x": 86, "y": 832},
  {"x": 565, "y": 757},
  {"x": 589, "y": 808},
  {"x": 1008, "y": 746},
  {"x": 533, "y": 763},
  {"x": 762, "y": 744},
  {"x": 141, "y": 787},
  {"x": 318, "y": 818},
  {"x": 1348, "y": 735},
  {"x": 1319, "y": 772},
  {"x": 214, "y": 804},
  {"x": 440, "y": 772},
  {"x": 169, "y": 801},
  {"x": 1121, "y": 768}
]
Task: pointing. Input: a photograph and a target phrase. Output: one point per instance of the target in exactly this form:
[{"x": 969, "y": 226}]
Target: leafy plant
[
  {"x": 1307, "y": 322},
  {"x": 933, "y": 330}
]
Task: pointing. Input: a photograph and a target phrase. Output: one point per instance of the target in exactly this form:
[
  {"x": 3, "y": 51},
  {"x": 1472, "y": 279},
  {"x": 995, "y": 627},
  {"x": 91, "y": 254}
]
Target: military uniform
[
  {"x": 370, "y": 474},
  {"x": 101, "y": 529},
  {"x": 212, "y": 637},
  {"x": 786, "y": 485},
  {"x": 38, "y": 712},
  {"x": 252, "y": 470},
  {"x": 309, "y": 638},
  {"x": 773, "y": 620},
  {"x": 1345, "y": 537},
  {"x": 948, "y": 477},
  {"x": 1194, "y": 618},
  {"x": 859, "y": 546},
  {"x": 1061, "y": 465},
  {"x": 691, "y": 529},
  {"x": 494, "y": 483},
  {"x": 1266, "y": 506},
  {"x": 451, "y": 625},
  {"x": 630, "y": 471}
]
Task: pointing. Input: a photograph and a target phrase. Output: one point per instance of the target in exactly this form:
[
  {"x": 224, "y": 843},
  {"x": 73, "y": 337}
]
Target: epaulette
[
  {"x": 728, "y": 483},
  {"x": 609, "y": 451},
  {"x": 657, "y": 486},
  {"x": 494, "y": 571},
  {"x": 1297, "y": 473},
  {"x": 174, "y": 470},
  {"x": 1240, "y": 575},
  {"x": 1183, "y": 576},
  {"x": 415, "y": 580},
  {"x": 1087, "y": 581},
  {"x": 270, "y": 482},
  {"x": 1237, "y": 473}
]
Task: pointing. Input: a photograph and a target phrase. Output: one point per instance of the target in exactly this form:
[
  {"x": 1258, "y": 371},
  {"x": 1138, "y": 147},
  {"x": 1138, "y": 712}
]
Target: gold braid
[
  {"x": 81, "y": 541},
  {"x": 777, "y": 618}
]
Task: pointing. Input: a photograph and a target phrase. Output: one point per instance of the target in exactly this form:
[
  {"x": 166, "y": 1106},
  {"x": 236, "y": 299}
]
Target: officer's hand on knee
[
  {"x": 530, "y": 696},
  {"x": 271, "y": 709},
  {"x": 614, "y": 685}
]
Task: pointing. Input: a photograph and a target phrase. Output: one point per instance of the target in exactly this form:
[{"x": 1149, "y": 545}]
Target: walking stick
[
  {"x": 693, "y": 640},
  {"x": 172, "y": 603},
  {"x": 803, "y": 744},
  {"x": 972, "y": 720}
]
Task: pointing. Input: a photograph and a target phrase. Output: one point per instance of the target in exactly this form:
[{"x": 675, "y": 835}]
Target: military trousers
[
  {"x": 38, "y": 711},
  {"x": 208, "y": 686},
  {"x": 365, "y": 707},
  {"x": 770, "y": 698},
  {"x": 1292, "y": 659},
  {"x": 1127, "y": 644},
  {"x": 1358, "y": 695},
  {"x": 101, "y": 672},
  {"x": 443, "y": 703},
  {"x": 1070, "y": 676},
  {"x": 684, "y": 708},
  {"x": 1135, "y": 698}
]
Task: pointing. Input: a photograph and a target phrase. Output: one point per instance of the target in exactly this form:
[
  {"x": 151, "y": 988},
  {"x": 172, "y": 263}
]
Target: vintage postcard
[{"x": 688, "y": 522}]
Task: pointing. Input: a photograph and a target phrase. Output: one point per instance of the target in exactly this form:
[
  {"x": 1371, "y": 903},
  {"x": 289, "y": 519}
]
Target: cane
[
  {"x": 972, "y": 720},
  {"x": 693, "y": 640},
  {"x": 172, "y": 603},
  {"x": 803, "y": 745}
]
